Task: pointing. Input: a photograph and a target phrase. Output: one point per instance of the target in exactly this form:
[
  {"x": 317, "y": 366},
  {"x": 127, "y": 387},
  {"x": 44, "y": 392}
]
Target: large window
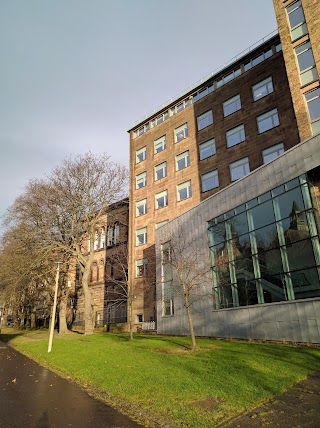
[
  {"x": 268, "y": 121},
  {"x": 160, "y": 144},
  {"x": 141, "y": 180},
  {"x": 141, "y": 207},
  {"x": 181, "y": 133},
  {"x": 235, "y": 136},
  {"x": 167, "y": 277},
  {"x": 182, "y": 160},
  {"x": 184, "y": 190},
  {"x": 161, "y": 199},
  {"x": 263, "y": 88},
  {"x": 207, "y": 149},
  {"x": 141, "y": 236},
  {"x": 161, "y": 223},
  {"x": 307, "y": 66},
  {"x": 231, "y": 105},
  {"x": 210, "y": 180},
  {"x": 266, "y": 250},
  {"x": 141, "y": 154},
  {"x": 313, "y": 102},
  {"x": 239, "y": 169},
  {"x": 272, "y": 152},
  {"x": 205, "y": 120},
  {"x": 297, "y": 21},
  {"x": 160, "y": 171}
]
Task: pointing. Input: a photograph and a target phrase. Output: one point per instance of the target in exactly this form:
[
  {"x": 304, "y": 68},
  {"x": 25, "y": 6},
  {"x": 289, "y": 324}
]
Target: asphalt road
[{"x": 32, "y": 396}]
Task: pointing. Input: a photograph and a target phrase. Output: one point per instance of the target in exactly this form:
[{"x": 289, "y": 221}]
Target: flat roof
[{"x": 200, "y": 82}]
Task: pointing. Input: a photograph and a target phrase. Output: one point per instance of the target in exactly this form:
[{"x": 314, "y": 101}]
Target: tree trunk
[
  {"x": 63, "y": 328},
  {"x": 33, "y": 319},
  {"x": 130, "y": 309},
  {"x": 189, "y": 316},
  {"x": 88, "y": 309}
]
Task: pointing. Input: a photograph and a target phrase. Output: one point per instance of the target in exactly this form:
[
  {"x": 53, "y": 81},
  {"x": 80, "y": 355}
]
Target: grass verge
[{"x": 159, "y": 376}]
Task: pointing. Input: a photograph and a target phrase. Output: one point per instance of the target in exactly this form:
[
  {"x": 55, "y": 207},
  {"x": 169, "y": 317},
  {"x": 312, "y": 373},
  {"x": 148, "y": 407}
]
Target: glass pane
[
  {"x": 247, "y": 292},
  {"x": 273, "y": 288},
  {"x": 270, "y": 262},
  {"x": 296, "y": 17},
  {"x": 300, "y": 255},
  {"x": 238, "y": 225},
  {"x": 295, "y": 228},
  {"x": 266, "y": 238},
  {"x": 217, "y": 233},
  {"x": 289, "y": 204},
  {"x": 306, "y": 283},
  {"x": 262, "y": 215}
]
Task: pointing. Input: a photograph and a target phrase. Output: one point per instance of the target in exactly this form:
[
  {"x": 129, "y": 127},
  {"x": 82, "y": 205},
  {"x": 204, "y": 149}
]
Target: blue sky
[{"x": 76, "y": 74}]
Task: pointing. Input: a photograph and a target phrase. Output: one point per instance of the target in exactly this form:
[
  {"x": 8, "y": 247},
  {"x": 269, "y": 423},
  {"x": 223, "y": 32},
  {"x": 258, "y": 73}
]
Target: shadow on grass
[{"x": 8, "y": 336}]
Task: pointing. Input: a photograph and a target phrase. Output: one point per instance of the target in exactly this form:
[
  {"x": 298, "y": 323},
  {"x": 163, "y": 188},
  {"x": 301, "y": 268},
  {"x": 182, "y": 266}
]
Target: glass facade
[{"x": 267, "y": 250}]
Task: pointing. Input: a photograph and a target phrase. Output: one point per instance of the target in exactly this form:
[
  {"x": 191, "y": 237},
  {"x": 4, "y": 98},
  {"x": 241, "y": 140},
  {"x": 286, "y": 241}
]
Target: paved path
[
  {"x": 32, "y": 396},
  {"x": 298, "y": 407}
]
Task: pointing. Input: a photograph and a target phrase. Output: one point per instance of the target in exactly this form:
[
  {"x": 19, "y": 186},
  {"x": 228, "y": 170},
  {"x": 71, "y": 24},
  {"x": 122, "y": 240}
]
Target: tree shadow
[{"x": 7, "y": 337}]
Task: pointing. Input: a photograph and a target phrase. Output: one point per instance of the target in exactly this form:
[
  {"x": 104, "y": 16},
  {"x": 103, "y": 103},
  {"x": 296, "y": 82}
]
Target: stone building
[{"x": 111, "y": 235}]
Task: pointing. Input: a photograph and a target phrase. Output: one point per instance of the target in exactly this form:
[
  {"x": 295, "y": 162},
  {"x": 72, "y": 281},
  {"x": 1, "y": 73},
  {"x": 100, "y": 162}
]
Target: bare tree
[
  {"x": 184, "y": 274},
  {"x": 68, "y": 206}
]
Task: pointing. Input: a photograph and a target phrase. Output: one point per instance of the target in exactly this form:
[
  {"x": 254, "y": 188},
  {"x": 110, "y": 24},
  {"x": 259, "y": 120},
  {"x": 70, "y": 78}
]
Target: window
[
  {"x": 116, "y": 233},
  {"x": 167, "y": 276},
  {"x": 205, "y": 120},
  {"x": 268, "y": 121},
  {"x": 141, "y": 154},
  {"x": 141, "y": 180},
  {"x": 297, "y": 20},
  {"x": 141, "y": 207},
  {"x": 161, "y": 199},
  {"x": 307, "y": 67},
  {"x": 160, "y": 144},
  {"x": 210, "y": 180},
  {"x": 231, "y": 105},
  {"x": 262, "y": 89},
  {"x": 272, "y": 152},
  {"x": 161, "y": 223},
  {"x": 141, "y": 267},
  {"x": 164, "y": 116},
  {"x": 139, "y": 317},
  {"x": 182, "y": 160},
  {"x": 207, "y": 149},
  {"x": 181, "y": 133},
  {"x": 110, "y": 236},
  {"x": 239, "y": 169},
  {"x": 141, "y": 236},
  {"x": 181, "y": 106},
  {"x": 202, "y": 93},
  {"x": 103, "y": 238},
  {"x": 235, "y": 136},
  {"x": 160, "y": 171},
  {"x": 313, "y": 103},
  {"x": 96, "y": 241},
  {"x": 184, "y": 190}
]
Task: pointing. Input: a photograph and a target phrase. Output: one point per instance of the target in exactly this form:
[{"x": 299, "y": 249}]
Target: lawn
[{"x": 159, "y": 376}]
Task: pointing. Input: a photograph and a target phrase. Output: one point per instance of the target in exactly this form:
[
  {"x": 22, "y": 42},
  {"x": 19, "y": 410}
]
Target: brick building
[
  {"x": 261, "y": 233},
  {"x": 234, "y": 122}
]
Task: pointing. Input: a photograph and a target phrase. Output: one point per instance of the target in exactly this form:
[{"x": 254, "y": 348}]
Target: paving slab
[{"x": 298, "y": 407}]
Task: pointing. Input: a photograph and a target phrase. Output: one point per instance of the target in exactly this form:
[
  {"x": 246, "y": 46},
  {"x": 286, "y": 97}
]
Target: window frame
[
  {"x": 236, "y": 164},
  {"x": 276, "y": 148},
  {"x": 208, "y": 144},
  {"x": 183, "y": 131},
  {"x": 185, "y": 156},
  {"x": 213, "y": 174},
  {"x": 204, "y": 120},
  {"x": 161, "y": 168},
  {"x": 236, "y": 101},
  {"x": 315, "y": 123},
  {"x": 295, "y": 34},
  {"x": 182, "y": 186},
  {"x": 143, "y": 231},
  {"x": 157, "y": 196},
  {"x": 263, "y": 83},
  {"x": 160, "y": 142},
  {"x": 142, "y": 176},
  {"x": 143, "y": 264},
  {"x": 236, "y": 130},
  {"x": 311, "y": 70},
  {"x": 143, "y": 151},
  {"x": 141, "y": 203},
  {"x": 270, "y": 114}
]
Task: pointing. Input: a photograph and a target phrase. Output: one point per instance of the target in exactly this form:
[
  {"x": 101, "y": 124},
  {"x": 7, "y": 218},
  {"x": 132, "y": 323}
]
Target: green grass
[{"x": 160, "y": 375}]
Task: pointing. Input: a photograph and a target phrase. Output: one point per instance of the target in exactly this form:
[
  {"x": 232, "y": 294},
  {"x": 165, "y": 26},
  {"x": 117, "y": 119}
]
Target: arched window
[
  {"x": 96, "y": 240},
  {"x": 116, "y": 233},
  {"x": 103, "y": 238},
  {"x": 110, "y": 236}
]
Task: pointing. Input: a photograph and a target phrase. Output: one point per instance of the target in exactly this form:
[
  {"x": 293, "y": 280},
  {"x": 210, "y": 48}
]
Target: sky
[{"x": 76, "y": 74}]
